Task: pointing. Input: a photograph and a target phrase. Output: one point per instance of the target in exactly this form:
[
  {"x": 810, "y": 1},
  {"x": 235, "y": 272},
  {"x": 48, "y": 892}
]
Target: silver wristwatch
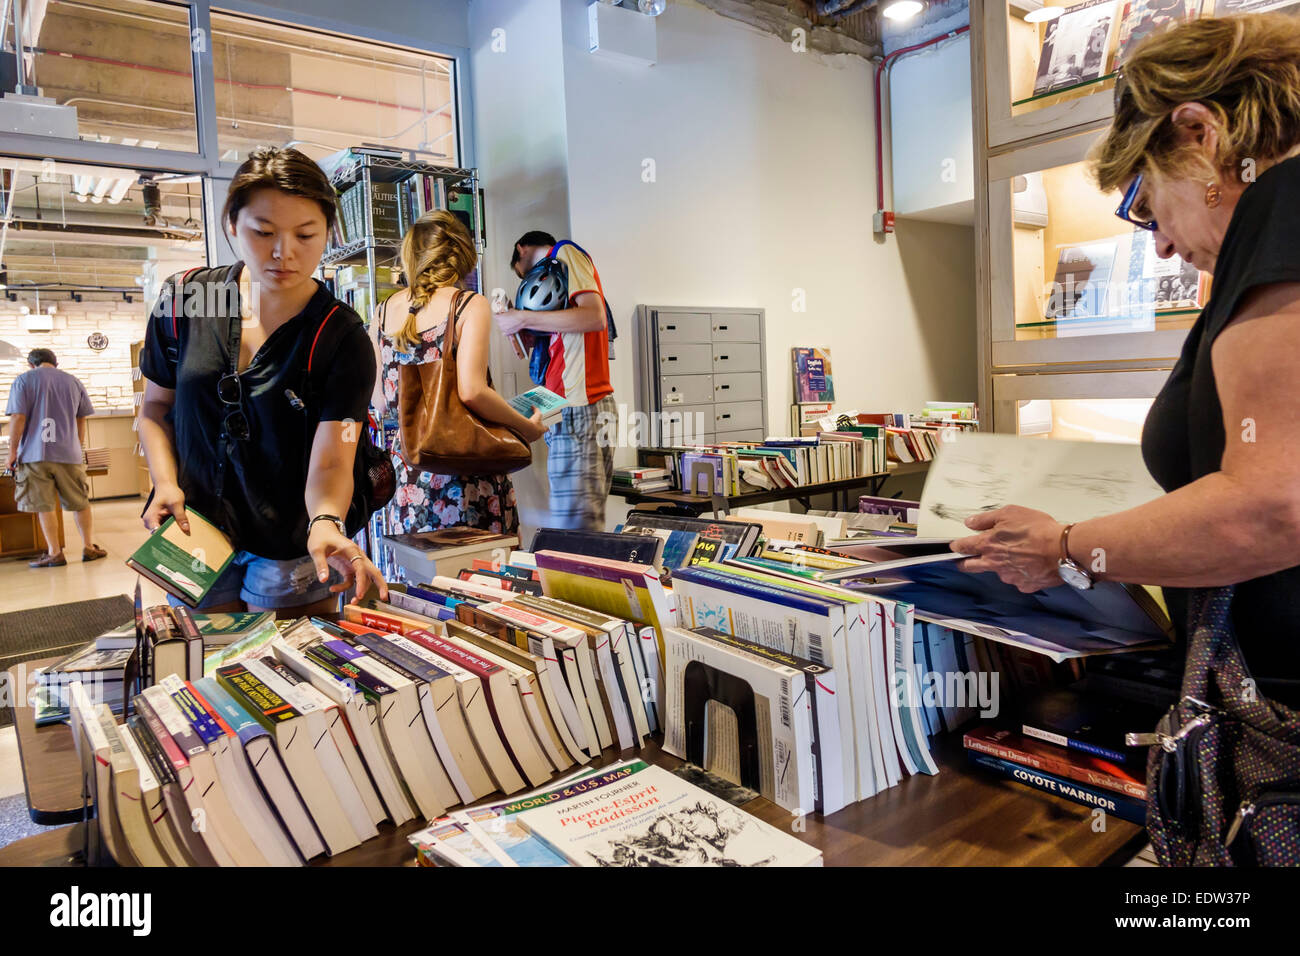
[{"x": 1071, "y": 571}]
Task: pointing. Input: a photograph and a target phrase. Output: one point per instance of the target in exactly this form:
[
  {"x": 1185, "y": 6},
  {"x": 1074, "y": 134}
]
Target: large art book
[
  {"x": 641, "y": 815},
  {"x": 185, "y": 565}
]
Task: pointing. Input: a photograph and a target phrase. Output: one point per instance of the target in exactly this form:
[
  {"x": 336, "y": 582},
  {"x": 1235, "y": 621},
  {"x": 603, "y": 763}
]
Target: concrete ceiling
[{"x": 856, "y": 31}]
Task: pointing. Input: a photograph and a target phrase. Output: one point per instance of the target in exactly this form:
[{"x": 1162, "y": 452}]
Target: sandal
[
  {"x": 49, "y": 561},
  {"x": 93, "y": 553}
]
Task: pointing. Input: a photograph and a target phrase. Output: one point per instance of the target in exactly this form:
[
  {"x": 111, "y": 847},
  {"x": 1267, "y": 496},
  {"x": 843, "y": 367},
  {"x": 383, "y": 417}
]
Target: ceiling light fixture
[
  {"x": 902, "y": 9},
  {"x": 1043, "y": 14},
  {"x": 652, "y": 8}
]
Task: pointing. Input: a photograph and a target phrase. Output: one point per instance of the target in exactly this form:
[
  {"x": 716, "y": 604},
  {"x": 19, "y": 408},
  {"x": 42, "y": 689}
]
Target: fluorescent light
[
  {"x": 902, "y": 9},
  {"x": 1043, "y": 14}
]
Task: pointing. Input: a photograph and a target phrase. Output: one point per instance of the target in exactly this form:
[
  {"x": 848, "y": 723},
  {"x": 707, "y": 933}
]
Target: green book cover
[{"x": 186, "y": 565}]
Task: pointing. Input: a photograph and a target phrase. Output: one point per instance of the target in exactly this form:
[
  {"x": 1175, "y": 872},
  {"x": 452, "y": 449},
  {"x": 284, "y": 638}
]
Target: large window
[
  {"x": 277, "y": 85},
  {"x": 126, "y": 66}
]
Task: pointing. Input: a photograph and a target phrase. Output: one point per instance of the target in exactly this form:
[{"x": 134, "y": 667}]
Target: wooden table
[
  {"x": 839, "y": 490},
  {"x": 961, "y": 817}
]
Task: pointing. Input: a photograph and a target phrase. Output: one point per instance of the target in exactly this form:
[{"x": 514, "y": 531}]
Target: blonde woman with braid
[{"x": 437, "y": 254}]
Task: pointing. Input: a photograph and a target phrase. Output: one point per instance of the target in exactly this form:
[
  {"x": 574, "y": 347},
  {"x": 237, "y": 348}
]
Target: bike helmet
[{"x": 545, "y": 287}]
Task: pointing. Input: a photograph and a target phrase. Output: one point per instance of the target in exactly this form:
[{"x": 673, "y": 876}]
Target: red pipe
[{"x": 881, "y": 67}]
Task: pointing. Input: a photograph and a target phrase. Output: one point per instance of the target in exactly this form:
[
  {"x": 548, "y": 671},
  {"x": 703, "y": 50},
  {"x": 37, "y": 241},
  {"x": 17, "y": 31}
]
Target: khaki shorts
[{"x": 41, "y": 485}]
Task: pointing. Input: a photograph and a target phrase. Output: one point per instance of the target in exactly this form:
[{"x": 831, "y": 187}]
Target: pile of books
[
  {"x": 642, "y": 479},
  {"x": 781, "y": 462},
  {"x": 1072, "y": 744},
  {"x": 304, "y": 739}
]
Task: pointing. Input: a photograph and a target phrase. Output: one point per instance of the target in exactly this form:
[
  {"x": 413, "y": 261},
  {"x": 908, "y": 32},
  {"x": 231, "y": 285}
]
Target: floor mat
[{"x": 57, "y": 630}]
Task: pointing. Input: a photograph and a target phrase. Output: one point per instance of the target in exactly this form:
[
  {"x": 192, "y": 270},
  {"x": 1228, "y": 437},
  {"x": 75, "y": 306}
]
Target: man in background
[
  {"x": 47, "y": 440},
  {"x": 580, "y": 465}
]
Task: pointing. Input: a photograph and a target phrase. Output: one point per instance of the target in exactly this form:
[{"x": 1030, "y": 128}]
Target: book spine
[
  {"x": 1072, "y": 743},
  {"x": 1060, "y": 766},
  {"x": 1126, "y": 808}
]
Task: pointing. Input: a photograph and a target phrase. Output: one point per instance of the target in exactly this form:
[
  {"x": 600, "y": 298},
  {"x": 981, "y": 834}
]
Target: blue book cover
[
  {"x": 540, "y": 398},
  {"x": 1124, "y": 807},
  {"x": 241, "y": 721}
]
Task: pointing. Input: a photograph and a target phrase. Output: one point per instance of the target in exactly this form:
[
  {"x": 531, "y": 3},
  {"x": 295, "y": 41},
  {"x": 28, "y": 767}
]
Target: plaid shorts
[{"x": 580, "y": 466}]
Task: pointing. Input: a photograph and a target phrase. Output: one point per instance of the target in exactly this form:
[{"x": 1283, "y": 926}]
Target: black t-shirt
[
  {"x": 1183, "y": 438},
  {"x": 253, "y": 489}
]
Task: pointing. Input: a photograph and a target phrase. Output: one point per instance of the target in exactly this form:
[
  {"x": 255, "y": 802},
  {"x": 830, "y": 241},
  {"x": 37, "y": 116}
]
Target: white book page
[{"x": 1070, "y": 480}]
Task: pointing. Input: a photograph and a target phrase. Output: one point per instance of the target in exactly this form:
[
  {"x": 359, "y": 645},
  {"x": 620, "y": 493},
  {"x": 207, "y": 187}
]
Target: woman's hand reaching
[{"x": 1020, "y": 545}]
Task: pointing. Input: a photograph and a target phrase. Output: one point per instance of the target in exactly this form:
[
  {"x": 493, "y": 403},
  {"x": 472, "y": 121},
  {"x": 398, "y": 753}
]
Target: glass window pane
[
  {"x": 1080, "y": 270},
  {"x": 81, "y": 263},
  {"x": 126, "y": 66},
  {"x": 277, "y": 85}
]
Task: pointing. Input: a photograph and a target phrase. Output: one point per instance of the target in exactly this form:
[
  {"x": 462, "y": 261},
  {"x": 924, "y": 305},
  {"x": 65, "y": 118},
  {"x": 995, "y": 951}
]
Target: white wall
[
  {"x": 931, "y": 133},
  {"x": 520, "y": 129},
  {"x": 106, "y": 374},
  {"x": 765, "y": 184}
]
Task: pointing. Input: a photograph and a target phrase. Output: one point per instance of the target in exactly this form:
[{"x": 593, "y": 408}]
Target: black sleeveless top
[{"x": 1183, "y": 438}]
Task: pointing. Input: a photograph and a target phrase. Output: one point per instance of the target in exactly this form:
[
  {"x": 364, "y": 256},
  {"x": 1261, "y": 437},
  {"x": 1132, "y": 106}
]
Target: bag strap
[
  {"x": 459, "y": 302},
  {"x": 1213, "y": 655},
  {"x": 184, "y": 279}
]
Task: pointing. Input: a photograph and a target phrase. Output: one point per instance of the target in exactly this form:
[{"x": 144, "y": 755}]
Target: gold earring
[{"x": 1213, "y": 195}]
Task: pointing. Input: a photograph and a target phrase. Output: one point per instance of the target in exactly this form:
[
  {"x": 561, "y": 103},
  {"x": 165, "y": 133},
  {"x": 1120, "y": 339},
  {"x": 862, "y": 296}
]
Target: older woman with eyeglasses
[{"x": 1205, "y": 144}]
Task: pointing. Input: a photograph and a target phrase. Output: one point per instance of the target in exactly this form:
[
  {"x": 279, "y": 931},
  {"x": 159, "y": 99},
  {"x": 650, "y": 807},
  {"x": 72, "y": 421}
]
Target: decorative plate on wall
[{"x": 97, "y": 341}]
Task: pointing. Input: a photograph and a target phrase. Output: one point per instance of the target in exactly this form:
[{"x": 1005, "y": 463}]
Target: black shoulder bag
[{"x": 1223, "y": 776}]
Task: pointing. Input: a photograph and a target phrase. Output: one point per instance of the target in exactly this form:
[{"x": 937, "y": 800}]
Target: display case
[
  {"x": 1070, "y": 282},
  {"x": 1057, "y": 70},
  {"x": 1106, "y": 406}
]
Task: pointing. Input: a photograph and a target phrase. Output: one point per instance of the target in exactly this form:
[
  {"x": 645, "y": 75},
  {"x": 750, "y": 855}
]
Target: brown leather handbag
[{"x": 439, "y": 433}]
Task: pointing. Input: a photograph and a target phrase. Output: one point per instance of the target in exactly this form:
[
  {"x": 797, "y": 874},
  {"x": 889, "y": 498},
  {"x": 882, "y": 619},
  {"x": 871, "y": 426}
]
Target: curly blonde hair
[
  {"x": 437, "y": 251},
  {"x": 1244, "y": 69}
]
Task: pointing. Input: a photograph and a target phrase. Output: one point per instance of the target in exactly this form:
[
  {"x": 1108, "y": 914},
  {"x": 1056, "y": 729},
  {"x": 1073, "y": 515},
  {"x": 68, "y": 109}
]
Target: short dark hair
[
  {"x": 285, "y": 169},
  {"x": 534, "y": 237},
  {"x": 40, "y": 356}
]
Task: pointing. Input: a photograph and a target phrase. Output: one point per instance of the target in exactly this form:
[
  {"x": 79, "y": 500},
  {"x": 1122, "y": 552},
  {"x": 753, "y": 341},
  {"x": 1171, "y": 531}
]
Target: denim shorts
[{"x": 265, "y": 582}]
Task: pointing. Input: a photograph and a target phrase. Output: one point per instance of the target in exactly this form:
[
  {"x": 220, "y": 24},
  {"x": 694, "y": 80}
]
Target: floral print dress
[{"x": 427, "y": 502}]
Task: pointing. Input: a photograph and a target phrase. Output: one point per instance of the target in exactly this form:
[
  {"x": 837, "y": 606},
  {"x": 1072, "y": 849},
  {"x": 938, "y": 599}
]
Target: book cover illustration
[
  {"x": 1074, "y": 46},
  {"x": 1080, "y": 287},
  {"x": 812, "y": 376},
  {"x": 1141, "y": 18},
  {"x": 652, "y": 818}
]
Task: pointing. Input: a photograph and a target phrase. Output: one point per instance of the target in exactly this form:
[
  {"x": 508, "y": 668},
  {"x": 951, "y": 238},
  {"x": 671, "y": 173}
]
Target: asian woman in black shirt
[
  {"x": 231, "y": 424},
  {"x": 1205, "y": 146}
]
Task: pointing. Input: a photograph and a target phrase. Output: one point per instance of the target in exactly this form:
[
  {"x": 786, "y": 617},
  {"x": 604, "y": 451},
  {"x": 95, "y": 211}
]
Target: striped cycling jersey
[{"x": 579, "y": 362}]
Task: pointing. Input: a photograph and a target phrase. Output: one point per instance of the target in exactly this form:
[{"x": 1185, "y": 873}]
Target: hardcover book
[{"x": 185, "y": 565}]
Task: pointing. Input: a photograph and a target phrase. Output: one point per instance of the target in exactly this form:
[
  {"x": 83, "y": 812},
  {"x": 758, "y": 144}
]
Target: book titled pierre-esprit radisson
[{"x": 186, "y": 565}]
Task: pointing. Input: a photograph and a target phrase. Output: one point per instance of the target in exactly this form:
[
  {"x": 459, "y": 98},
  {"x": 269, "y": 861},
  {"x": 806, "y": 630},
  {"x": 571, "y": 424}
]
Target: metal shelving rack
[{"x": 361, "y": 169}]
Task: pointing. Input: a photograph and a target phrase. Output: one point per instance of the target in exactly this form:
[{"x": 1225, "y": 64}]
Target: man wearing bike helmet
[{"x": 580, "y": 466}]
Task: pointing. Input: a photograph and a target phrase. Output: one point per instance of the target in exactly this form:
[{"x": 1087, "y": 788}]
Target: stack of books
[
  {"x": 642, "y": 479},
  {"x": 1072, "y": 744}
]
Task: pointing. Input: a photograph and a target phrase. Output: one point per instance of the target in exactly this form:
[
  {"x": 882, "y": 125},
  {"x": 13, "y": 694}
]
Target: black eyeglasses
[
  {"x": 1125, "y": 210},
  {"x": 231, "y": 392}
]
